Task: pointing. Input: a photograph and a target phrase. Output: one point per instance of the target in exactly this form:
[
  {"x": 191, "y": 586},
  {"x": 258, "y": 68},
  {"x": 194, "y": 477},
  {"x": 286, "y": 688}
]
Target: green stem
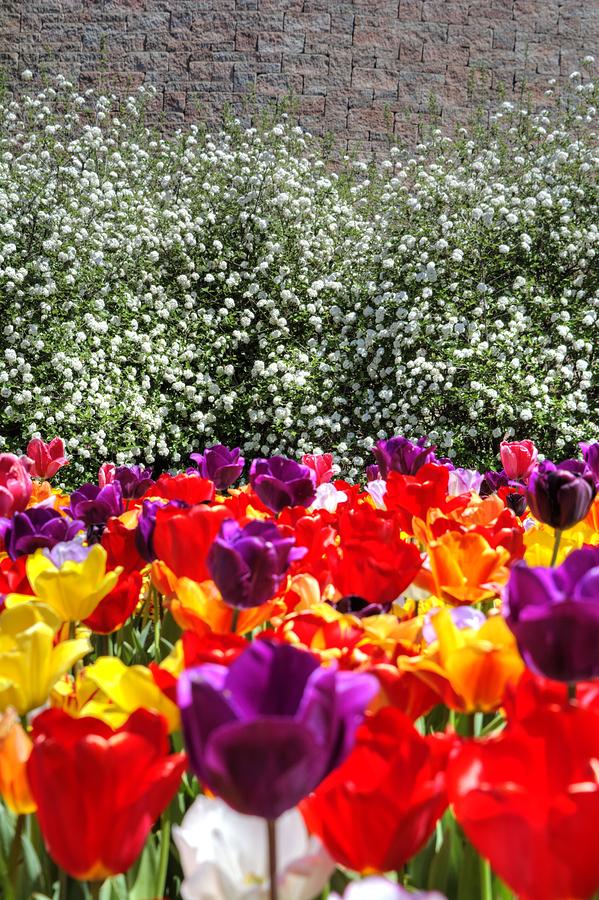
[
  {"x": 558, "y": 537},
  {"x": 165, "y": 846},
  {"x": 94, "y": 889},
  {"x": 235, "y": 620},
  {"x": 63, "y": 881},
  {"x": 486, "y": 879},
  {"x": 15, "y": 849},
  {"x": 157, "y": 623},
  {"x": 272, "y": 859}
]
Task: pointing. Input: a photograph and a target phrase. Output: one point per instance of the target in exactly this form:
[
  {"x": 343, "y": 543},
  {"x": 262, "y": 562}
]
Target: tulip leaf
[{"x": 143, "y": 876}]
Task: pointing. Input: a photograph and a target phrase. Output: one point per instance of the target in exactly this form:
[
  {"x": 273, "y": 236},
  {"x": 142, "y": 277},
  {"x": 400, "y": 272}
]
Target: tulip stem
[
  {"x": 94, "y": 889},
  {"x": 235, "y": 620},
  {"x": 272, "y": 858},
  {"x": 156, "y": 611},
  {"x": 486, "y": 881},
  {"x": 571, "y": 691},
  {"x": 165, "y": 846},
  {"x": 558, "y": 537},
  {"x": 15, "y": 849}
]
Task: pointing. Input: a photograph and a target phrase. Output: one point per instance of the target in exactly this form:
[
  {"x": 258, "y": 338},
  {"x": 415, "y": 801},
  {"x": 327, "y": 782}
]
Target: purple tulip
[
  {"x": 146, "y": 523},
  {"x": 398, "y": 454},
  {"x": 590, "y": 454},
  {"x": 373, "y": 473},
  {"x": 554, "y": 615},
  {"x": 134, "y": 481},
  {"x": 561, "y": 495},
  {"x": 95, "y": 505},
  {"x": 281, "y": 482},
  {"x": 36, "y": 527},
  {"x": 248, "y": 564},
  {"x": 517, "y": 503},
  {"x": 264, "y": 732},
  {"x": 492, "y": 481},
  {"x": 69, "y": 551},
  {"x": 220, "y": 464}
]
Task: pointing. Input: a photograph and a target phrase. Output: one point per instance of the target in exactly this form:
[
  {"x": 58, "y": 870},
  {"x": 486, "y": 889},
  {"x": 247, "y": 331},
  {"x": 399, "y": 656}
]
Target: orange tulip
[
  {"x": 15, "y": 747},
  {"x": 465, "y": 568},
  {"x": 469, "y": 668},
  {"x": 199, "y": 607}
]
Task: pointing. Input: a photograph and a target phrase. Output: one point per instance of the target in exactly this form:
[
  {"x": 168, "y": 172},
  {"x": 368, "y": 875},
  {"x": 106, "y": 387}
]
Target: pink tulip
[
  {"x": 518, "y": 458},
  {"x": 321, "y": 464},
  {"x": 106, "y": 474},
  {"x": 47, "y": 458},
  {"x": 15, "y": 484}
]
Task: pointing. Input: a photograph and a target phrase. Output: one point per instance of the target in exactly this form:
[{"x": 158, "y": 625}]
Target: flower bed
[
  {"x": 246, "y": 288},
  {"x": 277, "y": 689}
]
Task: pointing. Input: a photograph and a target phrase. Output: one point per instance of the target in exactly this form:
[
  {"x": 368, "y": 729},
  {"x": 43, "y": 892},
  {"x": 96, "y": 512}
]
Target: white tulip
[
  {"x": 224, "y": 855},
  {"x": 382, "y": 889}
]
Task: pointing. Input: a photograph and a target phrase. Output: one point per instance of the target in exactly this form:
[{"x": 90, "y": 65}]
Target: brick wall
[{"x": 357, "y": 68}]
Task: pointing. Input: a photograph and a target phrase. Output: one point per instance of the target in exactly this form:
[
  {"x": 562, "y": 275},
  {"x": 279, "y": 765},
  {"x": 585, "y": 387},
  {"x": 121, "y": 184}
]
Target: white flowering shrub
[{"x": 160, "y": 294}]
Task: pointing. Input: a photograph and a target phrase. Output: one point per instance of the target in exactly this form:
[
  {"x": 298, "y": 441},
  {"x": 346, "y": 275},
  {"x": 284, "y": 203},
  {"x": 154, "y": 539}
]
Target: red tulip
[
  {"x": 47, "y": 458},
  {"x": 113, "y": 611},
  {"x": 121, "y": 548},
  {"x": 183, "y": 537},
  {"x": 99, "y": 790},
  {"x": 190, "y": 489},
  {"x": 518, "y": 458},
  {"x": 414, "y": 495},
  {"x": 321, "y": 464},
  {"x": 528, "y": 801},
  {"x": 380, "y": 806}
]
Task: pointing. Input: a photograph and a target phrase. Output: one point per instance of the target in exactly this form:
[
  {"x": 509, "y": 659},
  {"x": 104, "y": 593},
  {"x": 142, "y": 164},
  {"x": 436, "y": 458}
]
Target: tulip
[
  {"x": 383, "y": 889},
  {"x": 398, "y": 454},
  {"x": 220, "y": 464},
  {"x": 133, "y": 480},
  {"x": 518, "y": 458},
  {"x": 106, "y": 474},
  {"x": 70, "y": 579},
  {"x": 47, "y": 459},
  {"x": 470, "y": 665},
  {"x": 31, "y": 662},
  {"x": 224, "y": 855},
  {"x": 466, "y": 568},
  {"x": 274, "y": 711},
  {"x": 122, "y": 778},
  {"x": 413, "y": 496},
  {"x": 114, "y": 609},
  {"x": 183, "y": 537},
  {"x": 561, "y": 495},
  {"x": 554, "y": 615},
  {"x": 329, "y": 497},
  {"x": 38, "y": 527},
  {"x": 15, "y": 747},
  {"x": 189, "y": 490},
  {"x": 95, "y": 505},
  {"x": 281, "y": 482},
  {"x": 146, "y": 523},
  {"x": 322, "y": 465},
  {"x": 461, "y": 481},
  {"x": 248, "y": 564},
  {"x": 15, "y": 484},
  {"x": 381, "y": 805},
  {"x": 528, "y": 800},
  {"x": 111, "y": 691},
  {"x": 590, "y": 454}
]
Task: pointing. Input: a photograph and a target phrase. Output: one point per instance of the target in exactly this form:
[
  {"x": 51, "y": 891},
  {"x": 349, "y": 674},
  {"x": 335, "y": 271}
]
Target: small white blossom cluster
[{"x": 161, "y": 294}]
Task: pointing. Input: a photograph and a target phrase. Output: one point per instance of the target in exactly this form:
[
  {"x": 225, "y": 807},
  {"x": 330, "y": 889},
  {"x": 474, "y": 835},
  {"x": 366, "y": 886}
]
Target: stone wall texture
[{"x": 357, "y": 68}]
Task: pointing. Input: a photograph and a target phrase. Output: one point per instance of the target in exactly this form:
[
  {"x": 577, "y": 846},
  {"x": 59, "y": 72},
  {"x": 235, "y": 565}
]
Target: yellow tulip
[
  {"x": 30, "y": 662},
  {"x": 540, "y": 540},
  {"x": 73, "y": 590},
  {"x": 469, "y": 668},
  {"x": 109, "y": 690}
]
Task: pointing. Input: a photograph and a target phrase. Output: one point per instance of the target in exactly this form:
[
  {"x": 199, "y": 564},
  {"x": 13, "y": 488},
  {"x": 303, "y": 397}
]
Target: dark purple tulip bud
[
  {"x": 220, "y": 464},
  {"x": 95, "y": 505},
  {"x": 517, "y": 503},
  {"x": 590, "y": 454},
  {"x": 281, "y": 482},
  {"x": 554, "y": 615},
  {"x": 357, "y": 606},
  {"x": 134, "y": 481},
  {"x": 36, "y": 527},
  {"x": 373, "y": 473},
  {"x": 248, "y": 564},
  {"x": 274, "y": 713},
  {"x": 561, "y": 495},
  {"x": 398, "y": 454},
  {"x": 492, "y": 481}
]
